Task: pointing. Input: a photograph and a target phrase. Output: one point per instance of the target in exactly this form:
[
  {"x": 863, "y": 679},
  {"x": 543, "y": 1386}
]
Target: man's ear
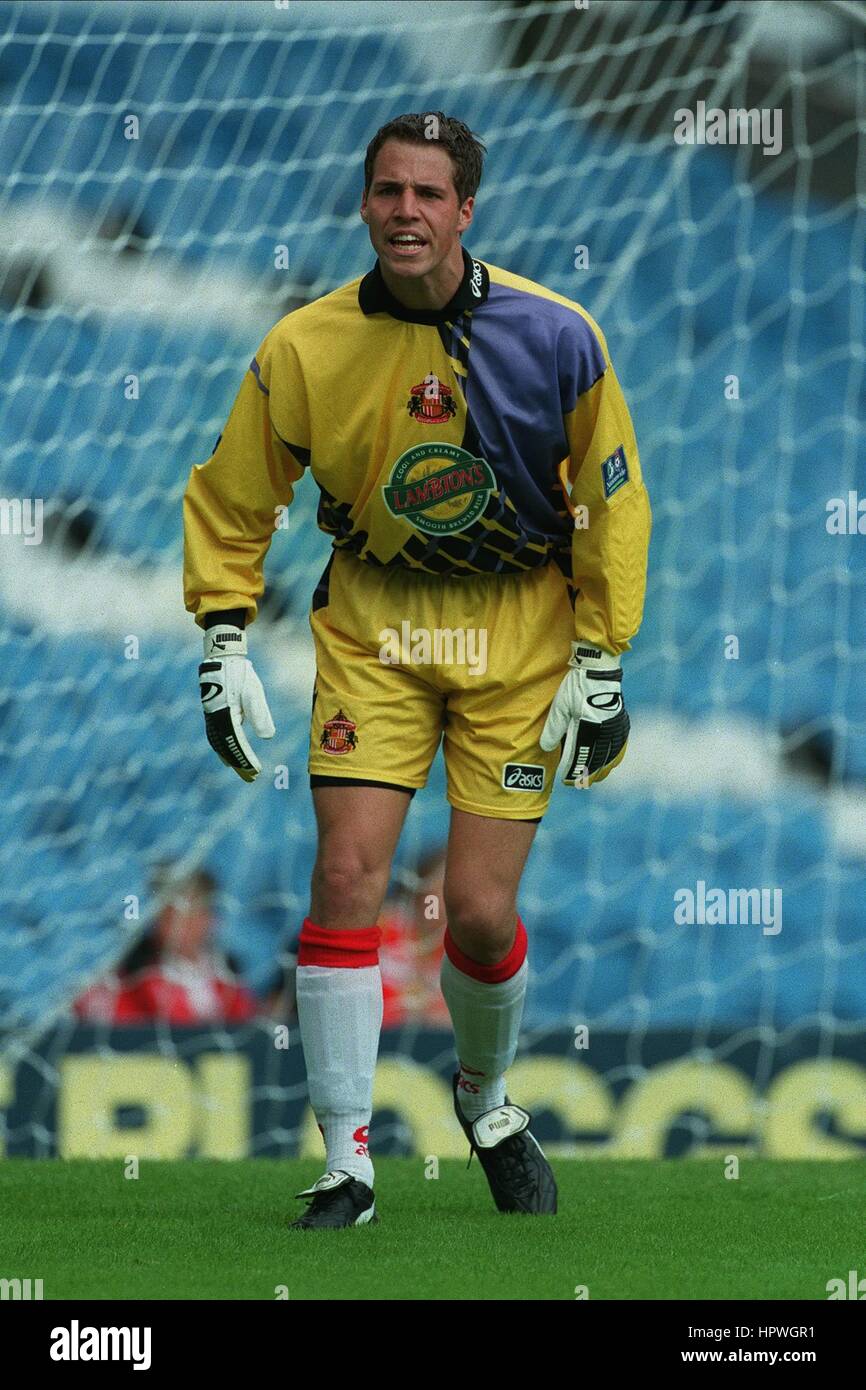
[{"x": 363, "y": 207}]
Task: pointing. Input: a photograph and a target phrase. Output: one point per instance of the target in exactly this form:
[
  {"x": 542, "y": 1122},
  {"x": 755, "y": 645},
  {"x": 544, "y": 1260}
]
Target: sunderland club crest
[
  {"x": 338, "y": 735},
  {"x": 431, "y": 403}
]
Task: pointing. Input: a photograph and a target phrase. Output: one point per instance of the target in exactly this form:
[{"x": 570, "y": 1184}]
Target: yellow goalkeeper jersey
[{"x": 488, "y": 437}]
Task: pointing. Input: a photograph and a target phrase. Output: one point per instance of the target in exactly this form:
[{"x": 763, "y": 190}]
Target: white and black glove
[
  {"x": 588, "y": 717},
  {"x": 231, "y": 696}
]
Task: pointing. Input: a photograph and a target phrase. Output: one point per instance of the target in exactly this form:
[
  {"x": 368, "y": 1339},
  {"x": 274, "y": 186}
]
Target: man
[
  {"x": 480, "y": 480},
  {"x": 175, "y": 973}
]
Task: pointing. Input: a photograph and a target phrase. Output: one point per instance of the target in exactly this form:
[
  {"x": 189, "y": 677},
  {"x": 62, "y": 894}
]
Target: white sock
[
  {"x": 340, "y": 1017},
  {"x": 486, "y": 1019}
]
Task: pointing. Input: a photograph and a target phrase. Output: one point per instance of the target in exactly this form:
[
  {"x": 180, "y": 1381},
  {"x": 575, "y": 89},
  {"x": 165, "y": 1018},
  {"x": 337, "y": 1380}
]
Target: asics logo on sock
[
  {"x": 470, "y": 1071},
  {"x": 464, "y": 1085}
]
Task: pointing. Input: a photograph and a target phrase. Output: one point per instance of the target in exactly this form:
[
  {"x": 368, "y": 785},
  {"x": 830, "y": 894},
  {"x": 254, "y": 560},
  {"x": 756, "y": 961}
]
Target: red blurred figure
[
  {"x": 174, "y": 974},
  {"x": 410, "y": 954}
]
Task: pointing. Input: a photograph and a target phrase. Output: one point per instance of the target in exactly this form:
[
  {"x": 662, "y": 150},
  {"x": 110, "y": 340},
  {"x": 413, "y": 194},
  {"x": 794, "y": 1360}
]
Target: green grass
[{"x": 626, "y": 1229}]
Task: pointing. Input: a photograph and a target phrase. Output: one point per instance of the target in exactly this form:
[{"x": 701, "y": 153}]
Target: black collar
[{"x": 374, "y": 296}]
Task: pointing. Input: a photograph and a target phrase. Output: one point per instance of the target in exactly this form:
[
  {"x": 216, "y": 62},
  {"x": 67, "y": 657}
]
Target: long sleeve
[
  {"x": 231, "y": 505},
  {"x": 612, "y": 515}
]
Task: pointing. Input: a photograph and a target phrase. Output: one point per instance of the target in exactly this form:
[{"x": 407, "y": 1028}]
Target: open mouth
[{"x": 406, "y": 243}]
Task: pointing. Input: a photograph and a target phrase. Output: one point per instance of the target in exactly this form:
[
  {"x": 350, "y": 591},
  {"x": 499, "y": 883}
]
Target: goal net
[{"x": 176, "y": 179}]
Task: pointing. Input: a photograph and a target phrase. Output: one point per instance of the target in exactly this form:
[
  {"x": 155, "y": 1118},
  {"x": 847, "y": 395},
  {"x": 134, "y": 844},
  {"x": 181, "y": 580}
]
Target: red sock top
[
  {"x": 489, "y": 974},
  {"x": 347, "y": 946}
]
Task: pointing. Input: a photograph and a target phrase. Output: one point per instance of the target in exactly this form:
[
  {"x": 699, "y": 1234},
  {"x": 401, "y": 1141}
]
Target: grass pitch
[{"x": 204, "y": 1229}]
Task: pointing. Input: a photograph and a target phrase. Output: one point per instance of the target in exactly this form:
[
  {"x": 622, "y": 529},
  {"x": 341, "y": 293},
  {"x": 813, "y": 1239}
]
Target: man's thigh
[
  {"x": 373, "y": 719},
  {"x": 358, "y": 829},
  {"x": 496, "y": 766}
]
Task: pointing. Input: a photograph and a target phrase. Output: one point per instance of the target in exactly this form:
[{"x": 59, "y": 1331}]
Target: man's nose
[{"x": 407, "y": 204}]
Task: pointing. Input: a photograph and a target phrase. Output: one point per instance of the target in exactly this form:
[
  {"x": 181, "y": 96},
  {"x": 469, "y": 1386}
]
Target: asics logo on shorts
[{"x": 523, "y": 777}]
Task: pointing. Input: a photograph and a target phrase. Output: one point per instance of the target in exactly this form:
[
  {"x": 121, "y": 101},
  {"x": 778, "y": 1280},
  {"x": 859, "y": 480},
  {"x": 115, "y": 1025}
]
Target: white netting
[{"x": 156, "y": 159}]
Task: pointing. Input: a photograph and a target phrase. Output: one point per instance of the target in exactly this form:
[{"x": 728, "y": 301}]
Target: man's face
[
  {"x": 185, "y": 924},
  {"x": 412, "y": 209}
]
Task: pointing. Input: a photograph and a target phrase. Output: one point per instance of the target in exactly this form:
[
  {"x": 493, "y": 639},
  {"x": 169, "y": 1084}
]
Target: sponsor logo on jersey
[
  {"x": 614, "y": 471},
  {"x": 438, "y": 488},
  {"x": 523, "y": 777},
  {"x": 477, "y": 279},
  {"x": 338, "y": 735},
  {"x": 431, "y": 402}
]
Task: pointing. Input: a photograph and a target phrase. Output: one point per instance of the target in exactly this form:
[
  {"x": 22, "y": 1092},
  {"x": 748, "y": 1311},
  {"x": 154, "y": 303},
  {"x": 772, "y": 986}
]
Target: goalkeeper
[{"x": 480, "y": 482}]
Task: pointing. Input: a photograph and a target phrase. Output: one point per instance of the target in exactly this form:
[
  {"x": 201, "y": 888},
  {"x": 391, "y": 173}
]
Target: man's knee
[
  {"x": 482, "y": 922},
  {"x": 347, "y": 885}
]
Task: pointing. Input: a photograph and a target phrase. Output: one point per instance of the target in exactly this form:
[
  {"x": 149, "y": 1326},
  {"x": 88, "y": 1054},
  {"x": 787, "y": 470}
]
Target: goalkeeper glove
[
  {"x": 588, "y": 717},
  {"x": 231, "y": 694}
]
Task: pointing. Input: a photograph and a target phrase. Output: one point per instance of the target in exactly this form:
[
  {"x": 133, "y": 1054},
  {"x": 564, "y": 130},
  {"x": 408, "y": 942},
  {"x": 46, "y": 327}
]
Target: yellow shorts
[{"x": 405, "y": 658}]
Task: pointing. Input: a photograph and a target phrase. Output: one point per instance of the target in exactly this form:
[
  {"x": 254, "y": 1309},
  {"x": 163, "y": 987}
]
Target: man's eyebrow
[{"x": 426, "y": 187}]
